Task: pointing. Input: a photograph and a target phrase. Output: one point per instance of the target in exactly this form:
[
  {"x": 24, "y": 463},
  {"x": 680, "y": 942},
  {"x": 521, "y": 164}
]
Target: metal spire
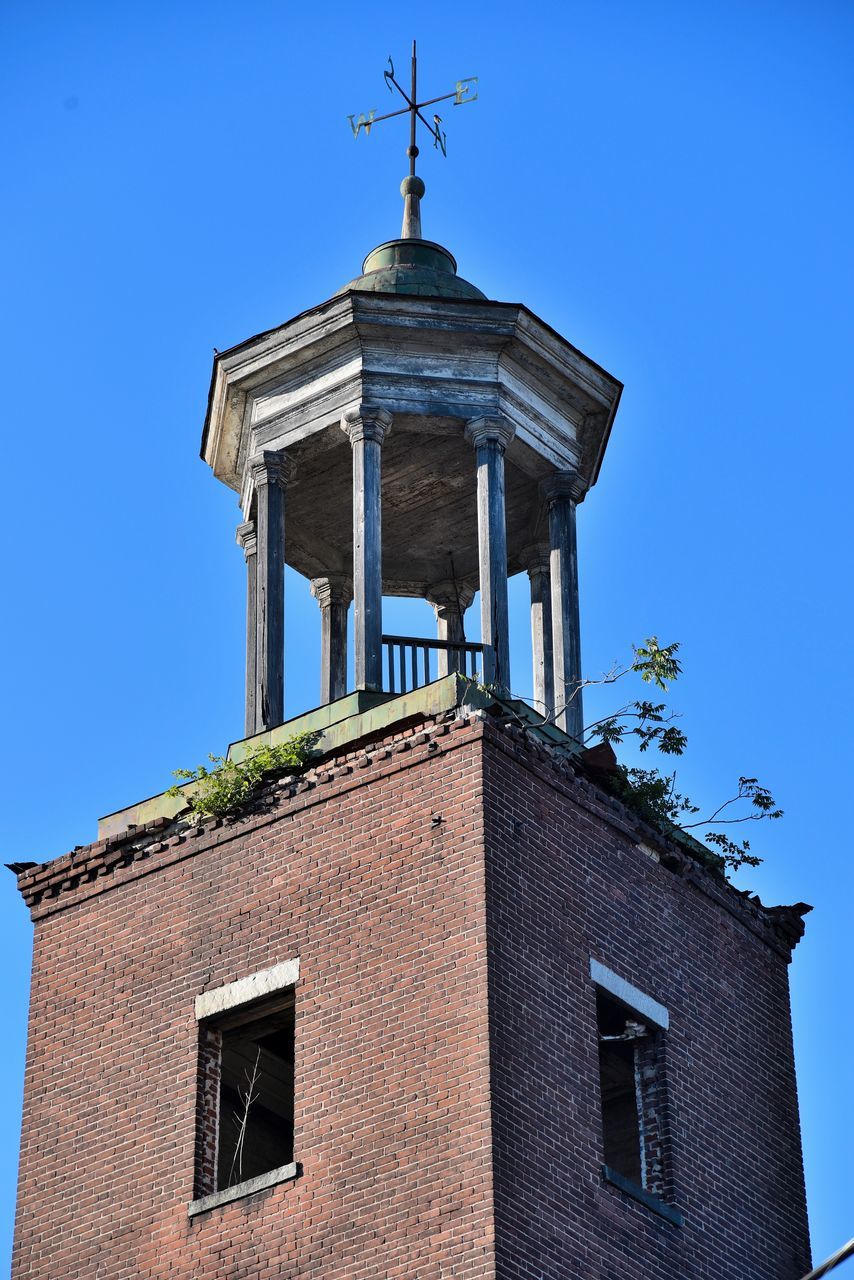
[{"x": 412, "y": 187}]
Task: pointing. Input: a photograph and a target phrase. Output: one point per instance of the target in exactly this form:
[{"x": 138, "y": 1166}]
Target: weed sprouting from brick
[
  {"x": 230, "y": 785},
  {"x": 651, "y": 792}
]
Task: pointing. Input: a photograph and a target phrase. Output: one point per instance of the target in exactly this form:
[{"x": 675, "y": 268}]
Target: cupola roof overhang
[
  {"x": 434, "y": 364},
  {"x": 441, "y": 360}
]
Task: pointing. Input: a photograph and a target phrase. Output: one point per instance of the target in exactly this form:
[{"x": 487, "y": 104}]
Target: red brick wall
[
  {"x": 385, "y": 910},
  {"x": 414, "y": 1120},
  {"x": 565, "y": 884}
]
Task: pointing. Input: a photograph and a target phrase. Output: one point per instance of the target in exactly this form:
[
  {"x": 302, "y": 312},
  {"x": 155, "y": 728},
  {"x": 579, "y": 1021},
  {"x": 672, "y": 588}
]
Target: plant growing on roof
[
  {"x": 229, "y": 785},
  {"x": 654, "y": 793}
]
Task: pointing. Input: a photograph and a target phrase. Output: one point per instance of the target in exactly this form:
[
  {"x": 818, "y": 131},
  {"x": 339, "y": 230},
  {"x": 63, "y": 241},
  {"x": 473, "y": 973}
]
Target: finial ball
[{"x": 412, "y": 186}]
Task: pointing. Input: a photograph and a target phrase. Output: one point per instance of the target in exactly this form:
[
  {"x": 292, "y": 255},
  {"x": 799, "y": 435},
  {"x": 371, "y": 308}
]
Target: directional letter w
[{"x": 364, "y": 122}]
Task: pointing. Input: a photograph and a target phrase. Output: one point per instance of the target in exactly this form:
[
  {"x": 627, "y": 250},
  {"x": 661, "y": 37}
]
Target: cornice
[
  {"x": 106, "y": 864},
  {"x": 364, "y": 345}
]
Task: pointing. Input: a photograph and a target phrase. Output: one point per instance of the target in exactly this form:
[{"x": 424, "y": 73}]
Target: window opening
[
  {"x": 621, "y": 1087},
  {"x": 246, "y": 1094}
]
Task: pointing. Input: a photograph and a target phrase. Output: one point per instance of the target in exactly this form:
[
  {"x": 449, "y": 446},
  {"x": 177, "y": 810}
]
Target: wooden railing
[{"x": 408, "y": 664}]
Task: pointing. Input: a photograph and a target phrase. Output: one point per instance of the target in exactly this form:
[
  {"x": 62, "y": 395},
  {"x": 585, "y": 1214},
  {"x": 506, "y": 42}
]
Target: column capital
[
  {"x": 366, "y": 422},
  {"x": 247, "y": 538},
  {"x": 536, "y": 558},
  {"x": 272, "y": 467},
  {"x": 446, "y": 598},
  {"x": 335, "y": 588},
  {"x": 562, "y": 484},
  {"x": 495, "y": 430}
]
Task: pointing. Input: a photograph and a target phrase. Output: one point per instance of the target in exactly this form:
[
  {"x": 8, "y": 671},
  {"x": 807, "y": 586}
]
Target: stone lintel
[
  {"x": 263, "y": 983},
  {"x": 652, "y": 1010}
]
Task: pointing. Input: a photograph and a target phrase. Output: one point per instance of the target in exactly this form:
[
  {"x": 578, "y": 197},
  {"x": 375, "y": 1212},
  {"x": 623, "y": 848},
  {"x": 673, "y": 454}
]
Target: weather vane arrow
[{"x": 412, "y": 188}]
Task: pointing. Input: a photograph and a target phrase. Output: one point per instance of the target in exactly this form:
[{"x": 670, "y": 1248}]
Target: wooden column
[
  {"x": 367, "y": 427},
  {"x": 247, "y": 539},
  {"x": 333, "y": 594},
  {"x": 562, "y": 491},
  {"x": 449, "y": 603},
  {"x": 270, "y": 473},
  {"x": 539, "y": 574},
  {"x": 490, "y": 437}
]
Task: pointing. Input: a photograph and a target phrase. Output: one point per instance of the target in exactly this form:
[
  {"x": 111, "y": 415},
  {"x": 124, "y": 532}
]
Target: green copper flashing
[
  {"x": 322, "y": 720},
  {"x": 410, "y": 253},
  {"x": 339, "y": 725},
  {"x": 414, "y": 267}
]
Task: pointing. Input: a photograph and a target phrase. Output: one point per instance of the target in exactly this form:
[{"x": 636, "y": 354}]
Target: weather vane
[{"x": 413, "y": 188}]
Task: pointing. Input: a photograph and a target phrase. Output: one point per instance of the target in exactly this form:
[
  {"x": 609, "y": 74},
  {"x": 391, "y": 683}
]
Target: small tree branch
[
  {"x": 247, "y": 1097},
  {"x": 727, "y": 822}
]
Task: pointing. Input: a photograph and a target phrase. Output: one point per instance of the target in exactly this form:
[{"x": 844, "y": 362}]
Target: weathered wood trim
[
  {"x": 539, "y": 574},
  {"x": 271, "y": 473},
  {"x": 467, "y": 358},
  {"x": 560, "y": 492},
  {"x": 367, "y": 427},
  {"x": 490, "y": 437},
  {"x": 333, "y": 593},
  {"x": 450, "y": 601},
  {"x": 247, "y": 539}
]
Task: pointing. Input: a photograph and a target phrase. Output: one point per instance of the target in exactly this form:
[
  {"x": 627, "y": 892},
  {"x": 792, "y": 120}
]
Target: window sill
[
  {"x": 666, "y": 1211},
  {"x": 285, "y": 1173}
]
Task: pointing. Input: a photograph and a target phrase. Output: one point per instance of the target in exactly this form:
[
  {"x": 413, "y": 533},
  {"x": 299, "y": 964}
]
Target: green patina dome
[{"x": 412, "y": 266}]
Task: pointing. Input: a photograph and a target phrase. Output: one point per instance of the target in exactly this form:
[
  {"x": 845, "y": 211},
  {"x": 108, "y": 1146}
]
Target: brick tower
[{"x": 437, "y": 1005}]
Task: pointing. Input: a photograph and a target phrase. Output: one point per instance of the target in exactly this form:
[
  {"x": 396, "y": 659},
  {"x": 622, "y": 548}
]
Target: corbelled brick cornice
[{"x": 89, "y": 870}]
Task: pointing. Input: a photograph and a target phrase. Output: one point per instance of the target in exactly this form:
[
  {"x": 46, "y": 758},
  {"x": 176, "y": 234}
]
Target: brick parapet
[
  {"x": 780, "y": 927},
  {"x": 92, "y": 869},
  {"x": 82, "y": 873}
]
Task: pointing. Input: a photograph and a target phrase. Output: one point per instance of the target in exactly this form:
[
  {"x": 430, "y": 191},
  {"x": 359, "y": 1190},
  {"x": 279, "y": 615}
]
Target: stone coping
[{"x": 338, "y": 725}]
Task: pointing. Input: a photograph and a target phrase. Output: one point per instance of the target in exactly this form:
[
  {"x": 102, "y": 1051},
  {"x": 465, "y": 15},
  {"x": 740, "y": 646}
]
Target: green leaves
[
  {"x": 657, "y": 665},
  {"x": 732, "y": 854},
  {"x": 672, "y": 741},
  {"x": 759, "y": 797},
  {"x": 652, "y": 793},
  {"x": 230, "y": 785},
  {"x": 652, "y": 728}
]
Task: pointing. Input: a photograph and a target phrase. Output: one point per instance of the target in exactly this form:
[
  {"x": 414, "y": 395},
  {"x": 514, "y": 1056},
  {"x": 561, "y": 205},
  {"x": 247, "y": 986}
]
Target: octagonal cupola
[{"x": 410, "y": 437}]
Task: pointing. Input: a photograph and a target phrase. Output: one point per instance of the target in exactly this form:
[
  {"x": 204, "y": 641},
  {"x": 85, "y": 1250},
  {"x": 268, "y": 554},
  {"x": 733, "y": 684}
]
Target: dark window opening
[
  {"x": 620, "y": 1088},
  {"x": 246, "y": 1094}
]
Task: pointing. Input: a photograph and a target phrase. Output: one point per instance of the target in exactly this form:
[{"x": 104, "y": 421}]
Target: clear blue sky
[{"x": 668, "y": 185}]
